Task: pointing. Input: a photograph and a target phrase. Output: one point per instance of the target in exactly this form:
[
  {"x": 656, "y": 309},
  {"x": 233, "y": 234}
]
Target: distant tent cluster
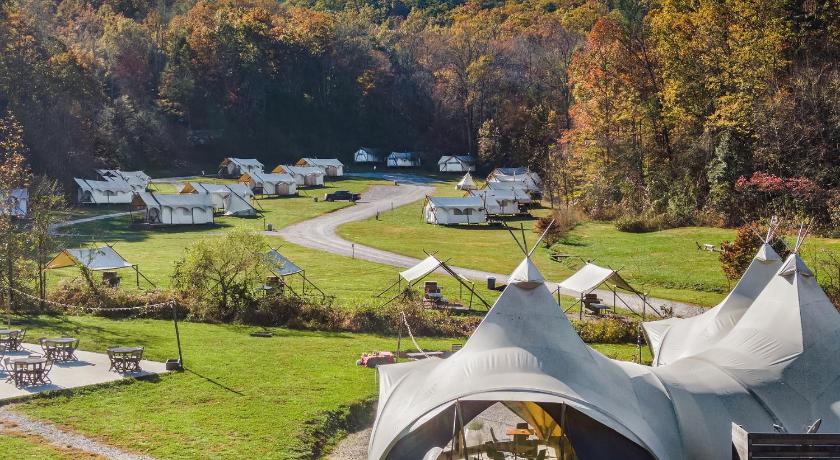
[
  {"x": 112, "y": 187},
  {"x": 764, "y": 360},
  {"x": 283, "y": 180},
  {"x": 227, "y": 199}
]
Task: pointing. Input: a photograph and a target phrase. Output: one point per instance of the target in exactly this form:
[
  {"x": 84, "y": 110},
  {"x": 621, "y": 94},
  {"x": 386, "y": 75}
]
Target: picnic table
[
  {"x": 33, "y": 370},
  {"x": 10, "y": 339},
  {"x": 60, "y": 348},
  {"x": 125, "y": 359}
]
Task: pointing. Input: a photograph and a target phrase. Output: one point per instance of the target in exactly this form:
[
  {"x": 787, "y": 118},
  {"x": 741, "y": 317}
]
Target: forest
[{"x": 659, "y": 112}]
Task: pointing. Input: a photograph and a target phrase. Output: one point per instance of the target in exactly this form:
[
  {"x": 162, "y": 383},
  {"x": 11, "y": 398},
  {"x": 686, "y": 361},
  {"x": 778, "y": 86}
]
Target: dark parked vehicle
[{"x": 342, "y": 195}]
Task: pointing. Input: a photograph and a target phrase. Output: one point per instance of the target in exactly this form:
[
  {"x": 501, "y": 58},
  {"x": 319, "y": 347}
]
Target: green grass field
[
  {"x": 240, "y": 397},
  {"x": 664, "y": 264}
]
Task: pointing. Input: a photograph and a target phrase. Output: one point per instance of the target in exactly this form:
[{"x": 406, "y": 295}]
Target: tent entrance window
[{"x": 517, "y": 429}]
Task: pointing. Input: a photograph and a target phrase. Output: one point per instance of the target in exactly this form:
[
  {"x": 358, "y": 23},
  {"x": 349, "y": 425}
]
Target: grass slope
[{"x": 241, "y": 397}]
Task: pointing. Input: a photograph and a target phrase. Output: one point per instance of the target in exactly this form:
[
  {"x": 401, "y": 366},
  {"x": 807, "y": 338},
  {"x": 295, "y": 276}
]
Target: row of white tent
[
  {"x": 765, "y": 358},
  {"x": 306, "y": 172}
]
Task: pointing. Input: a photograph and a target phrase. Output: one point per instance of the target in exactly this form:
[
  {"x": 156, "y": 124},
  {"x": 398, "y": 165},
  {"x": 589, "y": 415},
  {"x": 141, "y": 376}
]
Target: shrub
[
  {"x": 608, "y": 330},
  {"x": 736, "y": 256},
  {"x": 564, "y": 219}
]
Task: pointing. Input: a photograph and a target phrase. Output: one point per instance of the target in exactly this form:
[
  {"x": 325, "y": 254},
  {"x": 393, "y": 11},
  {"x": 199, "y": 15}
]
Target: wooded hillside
[{"x": 652, "y": 108}]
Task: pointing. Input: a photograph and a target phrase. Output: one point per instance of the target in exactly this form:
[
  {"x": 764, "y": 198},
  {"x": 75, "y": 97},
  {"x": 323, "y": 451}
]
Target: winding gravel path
[
  {"x": 65, "y": 439},
  {"x": 320, "y": 233}
]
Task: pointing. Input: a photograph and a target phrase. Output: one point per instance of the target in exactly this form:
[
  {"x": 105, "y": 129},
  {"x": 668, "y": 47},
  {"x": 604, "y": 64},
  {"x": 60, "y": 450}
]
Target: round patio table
[
  {"x": 60, "y": 348},
  {"x": 60, "y": 340},
  {"x": 125, "y": 359},
  {"x": 123, "y": 350},
  {"x": 29, "y": 370}
]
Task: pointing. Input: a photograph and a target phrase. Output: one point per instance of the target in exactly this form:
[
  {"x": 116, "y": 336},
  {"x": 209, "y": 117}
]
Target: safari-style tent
[
  {"x": 138, "y": 180},
  {"x": 282, "y": 268},
  {"x": 14, "y": 202},
  {"x": 367, "y": 155},
  {"x": 331, "y": 166},
  {"x": 270, "y": 184},
  {"x": 228, "y": 199},
  {"x": 529, "y": 179},
  {"x": 305, "y": 176},
  {"x": 102, "y": 259},
  {"x": 452, "y": 211},
  {"x": 466, "y": 183},
  {"x": 112, "y": 191},
  {"x": 420, "y": 271},
  {"x": 174, "y": 209},
  {"x": 403, "y": 160},
  {"x": 236, "y": 167},
  {"x": 456, "y": 163},
  {"x": 501, "y": 202}
]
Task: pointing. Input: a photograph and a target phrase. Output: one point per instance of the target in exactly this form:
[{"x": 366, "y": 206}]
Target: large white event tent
[
  {"x": 775, "y": 368},
  {"x": 452, "y": 211},
  {"x": 231, "y": 199},
  {"x": 674, "y": 338}
]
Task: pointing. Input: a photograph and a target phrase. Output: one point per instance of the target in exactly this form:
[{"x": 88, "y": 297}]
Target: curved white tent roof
[
  {"x": 674, "y": 338},
  {"x": 524, "y": 350}
]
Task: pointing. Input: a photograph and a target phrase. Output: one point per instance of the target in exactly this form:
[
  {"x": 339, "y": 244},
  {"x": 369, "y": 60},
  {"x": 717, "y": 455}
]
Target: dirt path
[
  {"x": 320, "y": 233},
  {"x": 63, "y": 439}
]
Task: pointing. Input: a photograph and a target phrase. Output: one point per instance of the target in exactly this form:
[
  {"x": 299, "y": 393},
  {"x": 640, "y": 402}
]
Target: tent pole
[
  {"x": 137, "y": 276},
  {"x": 580, "y": 314},
  {"x": 399, "y": 341},
  {"x": 177, "y": 335}
]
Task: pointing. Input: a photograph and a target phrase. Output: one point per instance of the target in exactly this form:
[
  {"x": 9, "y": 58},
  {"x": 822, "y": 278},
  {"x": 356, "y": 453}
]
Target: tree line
[{"x": 671, "y": 112}]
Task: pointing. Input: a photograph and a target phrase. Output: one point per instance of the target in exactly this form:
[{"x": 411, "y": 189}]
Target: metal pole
[
  {"x": 353, "y": 246},
  {"x": 399, "y": 343},
  {"x": 177, "y": 334}
]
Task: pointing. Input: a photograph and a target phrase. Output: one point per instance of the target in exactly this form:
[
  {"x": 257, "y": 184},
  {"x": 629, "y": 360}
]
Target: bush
[
  {"x": 564, "y": 221},
  {"x": 608, "y": 330},
  {"x": 736, "y": 256}
]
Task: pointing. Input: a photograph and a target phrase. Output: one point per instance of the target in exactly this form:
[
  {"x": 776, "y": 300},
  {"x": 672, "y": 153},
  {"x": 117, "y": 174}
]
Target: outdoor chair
[
  {"x": 16, "y": 339},
  {"x": 9, "y": 368}
]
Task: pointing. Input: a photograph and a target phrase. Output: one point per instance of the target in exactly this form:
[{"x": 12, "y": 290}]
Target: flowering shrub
[{"x": 795, "y": 196}]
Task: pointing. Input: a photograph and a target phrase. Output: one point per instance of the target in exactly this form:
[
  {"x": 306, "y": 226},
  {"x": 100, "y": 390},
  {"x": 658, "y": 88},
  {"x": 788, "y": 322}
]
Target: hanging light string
[
  {"x": 413, "y": 340},
  {"x": 77, "y": 308}
]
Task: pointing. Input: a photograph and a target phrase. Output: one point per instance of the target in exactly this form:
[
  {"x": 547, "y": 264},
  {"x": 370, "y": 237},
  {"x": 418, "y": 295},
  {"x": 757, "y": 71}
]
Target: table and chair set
[{"x": 34, "y": 368}]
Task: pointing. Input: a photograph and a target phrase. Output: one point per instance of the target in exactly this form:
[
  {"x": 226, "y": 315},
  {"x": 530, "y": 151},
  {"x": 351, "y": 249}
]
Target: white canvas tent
[
  {"x": 177, "y": 209},
  {"x": 282, "y": 268},
  {"x": 466, "y": 183},
  {"x": 138, "y": 180},
  {"x": 590, "y": 277},
  {"x": 456, "y": 163},
  {"x": 421, "y": 270},
  {"x": 525, "y": 354},
  {"x": 305, "y": 176},
  {"x": 229, "y": 199},
  {"x": 331, "y": 166},
  {"x": 776, "y": 367},
  {"x": 501, "y": 202},
  {"x": 112, "y": 191},
  {"x": 236, "y": 167},
  {"x": 403, "y": 160},
  {"x": 530, "y": 179},
  {"x": 270, "y": 184},
  {"x": 674, "y": 338},
  {"x": 103, "y": 258},
  {"x": 14, "y": 202},
  {"x": 452, "y": 211},
  {"x": 367, "y": 155}
]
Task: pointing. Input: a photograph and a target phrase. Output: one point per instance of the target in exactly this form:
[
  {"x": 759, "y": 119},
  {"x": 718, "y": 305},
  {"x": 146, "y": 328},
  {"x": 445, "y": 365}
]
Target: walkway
[{"x": 320, "y": 233}]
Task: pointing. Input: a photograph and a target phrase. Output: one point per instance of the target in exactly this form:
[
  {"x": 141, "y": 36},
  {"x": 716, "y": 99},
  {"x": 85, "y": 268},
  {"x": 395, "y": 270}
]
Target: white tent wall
[
  {"x": 305, "y": 176},
  {"x": 455, "y": 163},
  {"x": 453, "y": 211},
  {"x": 330, "y": 166},
  {"x": 271, "y": 183},
  {"x": 103, "y": 192},
  {"x": 179, "y": 209},
  {"x": 365, "y": 155},
  {"x": 675, "y": 338},
  {"x": 498, "y": 202}
]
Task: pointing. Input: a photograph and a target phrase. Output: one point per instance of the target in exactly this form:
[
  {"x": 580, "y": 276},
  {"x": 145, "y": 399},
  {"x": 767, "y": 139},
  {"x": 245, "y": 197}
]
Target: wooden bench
[{"x": 595, "y": 308}]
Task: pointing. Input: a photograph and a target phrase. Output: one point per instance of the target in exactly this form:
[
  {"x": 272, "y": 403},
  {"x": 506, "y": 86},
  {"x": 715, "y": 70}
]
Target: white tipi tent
[
  {"x": 674, "y": 338},
  {"x": 466, "y": 183}
]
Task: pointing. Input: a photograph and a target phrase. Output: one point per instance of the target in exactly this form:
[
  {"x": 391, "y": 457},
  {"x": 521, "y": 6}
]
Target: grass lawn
[
  {"x": 240, "y": 397},
  {"x": 33, "y": 447},
  {"x": 665, "y": 264}
]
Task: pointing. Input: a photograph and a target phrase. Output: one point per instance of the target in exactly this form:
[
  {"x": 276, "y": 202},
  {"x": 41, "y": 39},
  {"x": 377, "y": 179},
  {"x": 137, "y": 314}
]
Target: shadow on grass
[
  {"x": 122, "y": 229},
  {"x": 214, "y": 382}
]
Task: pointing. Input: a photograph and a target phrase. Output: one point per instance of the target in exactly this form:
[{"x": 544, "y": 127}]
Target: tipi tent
[
  {"x": 179, "y": 209},
  {"x": 466, "y": 183},
  {"x": 451, "y": 211},
  {"x": 230, "y": 199},
  {"x": 525, "y": 353},
  {"x": 456, "y": 163},
  {"x": 236, "y": 167},
  {"x": 112, "y": 191},
  {"x": 331, "y": 166},
  {"x": 270, "y": 184},
  {"x": 674, "y": 338},
  {"x": 305, "y": 176}
]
